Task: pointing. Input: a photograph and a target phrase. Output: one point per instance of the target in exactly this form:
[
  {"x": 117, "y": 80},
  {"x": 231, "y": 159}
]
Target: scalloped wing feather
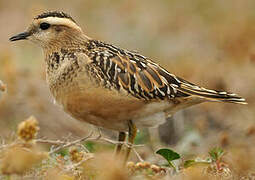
[{"x": 145, "y": 79}]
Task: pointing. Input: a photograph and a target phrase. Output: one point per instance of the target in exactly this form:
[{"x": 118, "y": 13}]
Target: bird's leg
[
  {"x": 122, "y": 137},
  {"x": 132, "y": 130}
]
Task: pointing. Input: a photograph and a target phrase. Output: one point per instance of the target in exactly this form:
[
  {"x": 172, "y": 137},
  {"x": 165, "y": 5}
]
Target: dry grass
[{"x": 24, "y": 158}]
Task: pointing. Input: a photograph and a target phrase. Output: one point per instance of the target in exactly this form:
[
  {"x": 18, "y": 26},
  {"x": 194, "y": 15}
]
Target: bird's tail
[{"x": 208, "y": 94}]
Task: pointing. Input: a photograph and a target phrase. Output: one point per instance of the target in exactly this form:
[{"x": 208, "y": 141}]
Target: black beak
[{"x": 20, "y": 36}]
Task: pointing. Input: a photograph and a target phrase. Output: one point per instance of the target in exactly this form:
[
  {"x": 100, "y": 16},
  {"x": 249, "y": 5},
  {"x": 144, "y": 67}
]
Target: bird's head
[{"x": 52, "y": 29}]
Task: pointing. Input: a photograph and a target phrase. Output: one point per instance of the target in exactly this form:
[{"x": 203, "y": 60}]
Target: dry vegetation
[
  {"x": 211, "y": 43},
  {"x": 23, "y": 157}
]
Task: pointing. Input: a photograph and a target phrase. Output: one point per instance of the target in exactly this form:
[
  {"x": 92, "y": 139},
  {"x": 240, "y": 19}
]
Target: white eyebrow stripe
[{"x": 60, "y": 21}]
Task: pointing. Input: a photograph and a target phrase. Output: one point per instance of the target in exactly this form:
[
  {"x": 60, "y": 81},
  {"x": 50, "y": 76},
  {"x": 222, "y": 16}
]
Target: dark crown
[{"x": 54, "y": 14}]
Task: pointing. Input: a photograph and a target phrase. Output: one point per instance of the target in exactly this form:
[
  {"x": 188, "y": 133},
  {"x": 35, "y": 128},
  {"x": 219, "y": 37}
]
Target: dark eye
[{"x": 44, "y": 26}]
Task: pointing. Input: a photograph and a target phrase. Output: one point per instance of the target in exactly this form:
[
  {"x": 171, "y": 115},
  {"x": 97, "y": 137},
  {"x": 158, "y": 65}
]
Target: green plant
[{"x": 169, "y": 155}]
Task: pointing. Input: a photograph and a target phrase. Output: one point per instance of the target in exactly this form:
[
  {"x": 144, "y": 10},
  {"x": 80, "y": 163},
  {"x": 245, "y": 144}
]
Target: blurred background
[{"x": 210, "y": 43}]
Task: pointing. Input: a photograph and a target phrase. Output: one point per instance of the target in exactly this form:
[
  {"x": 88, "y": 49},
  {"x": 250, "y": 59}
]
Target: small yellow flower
[
  {"x": 155, "y": 168},
  {"x": 131, "y": 165},
  {"x": 142, "y": 165},
  {"x": 19, "y": 158},
  {"x": 28, "y": 129},
  {"x": 75, "y": 155}
]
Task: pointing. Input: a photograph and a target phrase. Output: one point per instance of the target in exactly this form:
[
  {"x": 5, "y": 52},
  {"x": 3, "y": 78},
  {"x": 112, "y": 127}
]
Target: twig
[
  {"x": 65, "y": 144},
  {"x": 138, "y": 155},
  {"x": 66, "y": 138},
  {"x": 58, "y": 142},
  {"x": 45, "y": 141},
  {"x": 118, "y": 142},
  {"x": 68, "y": 144},
  {"x": 74, "y": 166},
  {"x": 83, "y": 147},
  {"x": 99, "y": 133}
]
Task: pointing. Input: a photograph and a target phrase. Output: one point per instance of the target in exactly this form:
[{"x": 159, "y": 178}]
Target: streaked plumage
[
  {"x": 107, "y": 86},
  {"x": 143, "y": 78}
]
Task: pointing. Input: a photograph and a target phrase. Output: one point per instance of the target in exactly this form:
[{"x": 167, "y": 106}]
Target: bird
[{"x": 108, "y": 86}]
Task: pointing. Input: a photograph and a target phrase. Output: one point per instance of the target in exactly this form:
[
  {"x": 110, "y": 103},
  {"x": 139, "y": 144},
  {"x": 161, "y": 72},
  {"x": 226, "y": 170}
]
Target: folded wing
[{"x": 144, "y": 79}]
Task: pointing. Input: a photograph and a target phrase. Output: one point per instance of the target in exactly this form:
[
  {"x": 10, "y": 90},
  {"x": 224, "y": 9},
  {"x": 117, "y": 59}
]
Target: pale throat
[{"x": 68, "y": 41}]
